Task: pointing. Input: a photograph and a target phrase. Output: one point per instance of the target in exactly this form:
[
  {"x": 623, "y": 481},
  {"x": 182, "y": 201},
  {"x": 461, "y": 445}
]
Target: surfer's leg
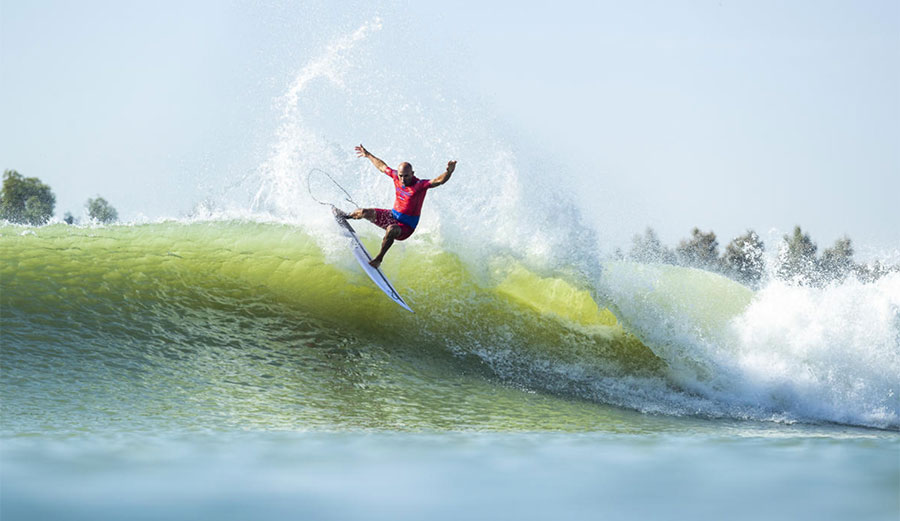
[
  {"x": 362, "y": 213},
  {"x": 393, "y": 231}
]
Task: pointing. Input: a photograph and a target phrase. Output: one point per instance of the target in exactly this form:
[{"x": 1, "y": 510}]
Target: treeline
[
  {"x": 744, "y": 259},
  {"x": 26, "y": 200}
]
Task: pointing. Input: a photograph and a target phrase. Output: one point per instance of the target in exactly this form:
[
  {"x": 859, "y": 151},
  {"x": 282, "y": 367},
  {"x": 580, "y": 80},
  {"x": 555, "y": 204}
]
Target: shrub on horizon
[
  {"x": 797, "y": 259},
  {"x": 648, "y": 248},
  {"x": 700, "y": 251},
  {"x": 744, "y": 259},
  {"x": 25, "y": 200},
  {"x": 837, "y": 262},
  {"x": 99, "y": 210}
]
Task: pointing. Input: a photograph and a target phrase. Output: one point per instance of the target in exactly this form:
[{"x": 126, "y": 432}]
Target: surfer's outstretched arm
[
  {"x": 443, "y": 178},
  {"x": 379, "y": 164}
]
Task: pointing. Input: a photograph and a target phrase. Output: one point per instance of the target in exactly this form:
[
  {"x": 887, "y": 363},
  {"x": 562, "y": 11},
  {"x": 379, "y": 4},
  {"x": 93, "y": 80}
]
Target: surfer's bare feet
[{"x": 375, "y": 263}]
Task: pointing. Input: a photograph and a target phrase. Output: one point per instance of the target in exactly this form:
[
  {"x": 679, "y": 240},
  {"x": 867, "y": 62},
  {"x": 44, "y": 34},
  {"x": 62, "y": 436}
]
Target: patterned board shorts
[{"x": 384, "y": 218}]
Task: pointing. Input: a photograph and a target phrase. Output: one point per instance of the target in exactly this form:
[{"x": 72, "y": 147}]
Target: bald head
[{"x": 405, "y": 173}]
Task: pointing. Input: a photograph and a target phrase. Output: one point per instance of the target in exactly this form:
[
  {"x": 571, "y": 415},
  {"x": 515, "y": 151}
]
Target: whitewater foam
[
  {"x": 789, "y": 352},
  {"x": 829, "y": 353}
]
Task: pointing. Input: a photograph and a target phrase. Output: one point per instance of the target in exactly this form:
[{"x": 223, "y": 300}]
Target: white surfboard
[{"x": 362, "y": 256}]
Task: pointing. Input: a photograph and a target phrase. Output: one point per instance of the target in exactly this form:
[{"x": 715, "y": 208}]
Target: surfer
[{"x": 399, "y": 222}]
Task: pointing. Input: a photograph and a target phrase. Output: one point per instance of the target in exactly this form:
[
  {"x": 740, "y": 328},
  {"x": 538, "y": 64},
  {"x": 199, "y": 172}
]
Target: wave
[
  {"x": 506, "y": 278},
  {"x": 653, "y": 338}
]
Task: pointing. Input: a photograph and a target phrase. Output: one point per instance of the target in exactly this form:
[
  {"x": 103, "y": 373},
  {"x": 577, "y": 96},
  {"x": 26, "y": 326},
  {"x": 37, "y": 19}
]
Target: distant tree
[
  {"x": 701, "y": 250},
  {"x": 797, "y": 258},
  {"x": 870, "y": 272},
  {"x": 837, "y": 262},
  {"x": 69, "y": 218},
  {"x": 743, "y": 259},
  {"x": 648, "y": 248},
  {"x": 101, "y": 211},
  {"x": 874, "y": 271},
  {"x": 25, "y": 200}
]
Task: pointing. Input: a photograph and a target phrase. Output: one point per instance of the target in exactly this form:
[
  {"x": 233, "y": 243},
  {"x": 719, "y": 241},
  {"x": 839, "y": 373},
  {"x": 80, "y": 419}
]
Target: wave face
[
  {"x": 253, "y": 312},
  {"x": 242, "y": 322}
]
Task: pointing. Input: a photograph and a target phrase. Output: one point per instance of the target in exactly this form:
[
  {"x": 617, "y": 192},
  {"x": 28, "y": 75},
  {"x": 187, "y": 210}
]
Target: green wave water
[{"x": 243, "y": 324}]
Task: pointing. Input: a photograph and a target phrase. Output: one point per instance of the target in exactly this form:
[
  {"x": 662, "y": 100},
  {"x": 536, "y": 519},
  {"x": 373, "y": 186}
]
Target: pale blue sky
[{"x": 724, "y": 115}]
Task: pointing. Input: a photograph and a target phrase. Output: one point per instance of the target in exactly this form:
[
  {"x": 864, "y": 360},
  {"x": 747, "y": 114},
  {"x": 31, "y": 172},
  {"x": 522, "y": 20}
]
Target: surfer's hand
[
  {"x": 362, "y": 152},
  {"x": 451, "y": 166}
]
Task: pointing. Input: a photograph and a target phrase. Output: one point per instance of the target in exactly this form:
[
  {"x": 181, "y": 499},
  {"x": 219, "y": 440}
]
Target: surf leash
[{"x": 349, "y": 199}]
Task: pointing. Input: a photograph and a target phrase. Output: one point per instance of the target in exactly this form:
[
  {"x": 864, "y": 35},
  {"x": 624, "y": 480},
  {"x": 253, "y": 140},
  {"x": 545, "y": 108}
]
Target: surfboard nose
[{"x": 340, "y": 214}]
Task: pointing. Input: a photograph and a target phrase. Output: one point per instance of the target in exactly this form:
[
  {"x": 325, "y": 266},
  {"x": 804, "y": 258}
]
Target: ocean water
[
  {"x": 234, "y": 369},
  {"x": 798, "y": 474},
  {"x": 237, "y": 364}
]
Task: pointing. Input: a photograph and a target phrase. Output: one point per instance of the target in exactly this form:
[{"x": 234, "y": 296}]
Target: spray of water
[{"x": 784, "y": 352}]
